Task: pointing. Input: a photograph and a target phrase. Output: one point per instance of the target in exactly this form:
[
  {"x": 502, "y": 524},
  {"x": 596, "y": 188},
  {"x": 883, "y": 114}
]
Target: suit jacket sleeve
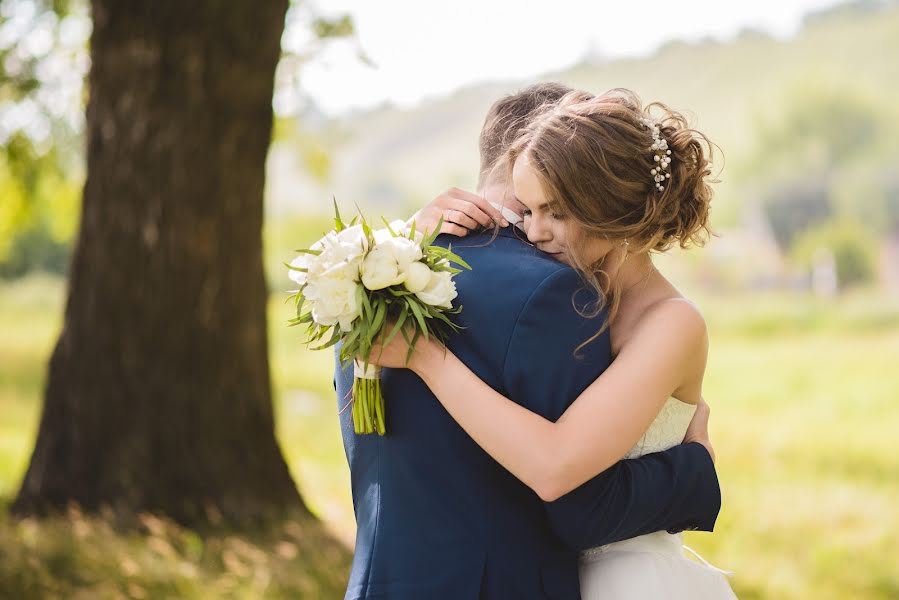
[{"x": 672, "y": 490}]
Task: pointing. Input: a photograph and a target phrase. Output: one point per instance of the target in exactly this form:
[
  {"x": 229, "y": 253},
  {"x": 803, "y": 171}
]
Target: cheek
[
  {"x": 561, "y": 234},
  {"x": 594, "y": 248},
  {"x": 598, "y": 249}
]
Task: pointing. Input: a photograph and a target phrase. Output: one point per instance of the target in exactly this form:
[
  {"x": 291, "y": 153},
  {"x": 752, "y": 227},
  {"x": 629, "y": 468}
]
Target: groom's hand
[{"x": 698, "y": 431}]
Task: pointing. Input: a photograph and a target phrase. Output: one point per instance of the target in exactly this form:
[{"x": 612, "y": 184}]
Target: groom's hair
[{"x": 509, "y": 116}]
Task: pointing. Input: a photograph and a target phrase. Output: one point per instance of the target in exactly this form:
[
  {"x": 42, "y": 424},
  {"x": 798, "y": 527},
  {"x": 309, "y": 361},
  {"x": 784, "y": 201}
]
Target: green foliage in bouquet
[{"x": 356, "y": 280}]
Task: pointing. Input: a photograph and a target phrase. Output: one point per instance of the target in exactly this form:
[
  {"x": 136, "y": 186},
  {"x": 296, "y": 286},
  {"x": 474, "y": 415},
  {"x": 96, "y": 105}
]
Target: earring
[{"x": 626, "y": 245}]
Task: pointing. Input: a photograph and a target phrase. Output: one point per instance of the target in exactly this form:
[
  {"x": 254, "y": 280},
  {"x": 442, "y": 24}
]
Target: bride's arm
[{"x": 602, "y": 424}]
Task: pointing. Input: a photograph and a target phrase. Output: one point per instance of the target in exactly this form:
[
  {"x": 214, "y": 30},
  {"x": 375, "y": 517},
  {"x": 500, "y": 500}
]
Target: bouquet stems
[{"x": 368, "y": 401}]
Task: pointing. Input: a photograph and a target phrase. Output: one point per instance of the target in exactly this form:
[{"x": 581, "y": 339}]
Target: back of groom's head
[{"x": 508, "y": 117}]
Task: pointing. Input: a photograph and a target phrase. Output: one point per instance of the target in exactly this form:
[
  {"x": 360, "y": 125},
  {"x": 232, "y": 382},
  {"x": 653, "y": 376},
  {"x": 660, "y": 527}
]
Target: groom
[{"x": 437, "y": 517}]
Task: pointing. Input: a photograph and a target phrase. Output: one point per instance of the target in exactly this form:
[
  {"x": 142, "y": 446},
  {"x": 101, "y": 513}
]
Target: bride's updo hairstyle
[{"x": 635, "y": 175}]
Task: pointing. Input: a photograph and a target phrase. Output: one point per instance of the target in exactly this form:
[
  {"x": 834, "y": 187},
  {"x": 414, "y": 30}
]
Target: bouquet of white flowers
[{"x": 355, "y": 280}]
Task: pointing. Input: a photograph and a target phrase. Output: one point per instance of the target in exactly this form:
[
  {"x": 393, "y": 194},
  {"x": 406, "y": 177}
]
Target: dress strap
[{"x": 707, "y": 563}]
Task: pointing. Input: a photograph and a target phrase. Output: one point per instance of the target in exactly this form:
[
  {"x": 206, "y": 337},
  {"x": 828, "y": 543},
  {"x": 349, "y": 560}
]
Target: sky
[{"x": 424, "y": 49}]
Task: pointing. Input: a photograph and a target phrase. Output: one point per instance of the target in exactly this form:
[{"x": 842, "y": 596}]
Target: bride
[{"x": 605, "y": 183}]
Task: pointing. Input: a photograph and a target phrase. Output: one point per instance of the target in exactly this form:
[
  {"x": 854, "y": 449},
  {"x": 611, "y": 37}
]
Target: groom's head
[{"x": 504, "y": 122}]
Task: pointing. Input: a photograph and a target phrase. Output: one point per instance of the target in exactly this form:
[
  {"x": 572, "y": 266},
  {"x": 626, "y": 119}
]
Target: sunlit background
[{"x": 800, "y": 286}]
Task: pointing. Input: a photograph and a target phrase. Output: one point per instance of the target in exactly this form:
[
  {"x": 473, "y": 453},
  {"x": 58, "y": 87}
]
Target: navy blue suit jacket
[{"x": 437, "y": 517}]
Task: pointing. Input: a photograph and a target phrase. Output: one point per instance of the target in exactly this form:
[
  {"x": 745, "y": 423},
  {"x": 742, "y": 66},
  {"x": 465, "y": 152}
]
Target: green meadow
[{"x": 804, "y": 418}]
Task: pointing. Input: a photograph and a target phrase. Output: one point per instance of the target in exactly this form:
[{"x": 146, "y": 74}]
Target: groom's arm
[{"x": 672, "y": 490}]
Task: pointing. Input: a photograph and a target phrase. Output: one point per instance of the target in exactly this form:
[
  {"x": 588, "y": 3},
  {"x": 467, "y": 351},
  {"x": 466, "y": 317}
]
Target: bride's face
[{"x": 548, "y": 229}]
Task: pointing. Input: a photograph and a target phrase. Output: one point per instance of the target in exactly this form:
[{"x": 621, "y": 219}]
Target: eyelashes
[{"x": 556, "y": 216}]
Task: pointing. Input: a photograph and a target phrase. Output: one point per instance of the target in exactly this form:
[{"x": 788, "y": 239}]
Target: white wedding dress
[{"x": 652, "y": 566}]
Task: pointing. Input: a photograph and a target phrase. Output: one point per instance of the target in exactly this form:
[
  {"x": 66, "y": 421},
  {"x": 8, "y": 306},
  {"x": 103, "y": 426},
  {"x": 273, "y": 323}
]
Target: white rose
[
  {"x": 387, "y": 263},
  {"x": 334, "y": 301},
  {"x": 417, "y": 277},
  {"x": 440, "y": 291}
]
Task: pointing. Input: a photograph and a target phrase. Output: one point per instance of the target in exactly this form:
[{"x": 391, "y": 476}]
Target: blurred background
[{"x": 380, "y": 105}]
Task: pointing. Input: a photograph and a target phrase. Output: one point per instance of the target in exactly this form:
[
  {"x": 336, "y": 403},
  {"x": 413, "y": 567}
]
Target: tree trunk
[{"x": 158, "y": 393}]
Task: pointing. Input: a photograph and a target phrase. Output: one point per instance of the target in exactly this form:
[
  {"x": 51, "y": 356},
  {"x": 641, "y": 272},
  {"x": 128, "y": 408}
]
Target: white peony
[
  {"x": 313, "y": 264},
  {"x": 387, "y": 263},
  {"x": 382, "y": 235},
  {"x": 417, "y": 277},
  {"x": 300, "y": 262},
  {"x": 440, "y": 291},
  {"x": 334, "y": 301},
  {"x": 353, "y": 236},
  {"x": 342, "y": 253}
]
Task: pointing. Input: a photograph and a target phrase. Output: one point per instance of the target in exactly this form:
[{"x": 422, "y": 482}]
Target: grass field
[{"x": 805, "y": 410}]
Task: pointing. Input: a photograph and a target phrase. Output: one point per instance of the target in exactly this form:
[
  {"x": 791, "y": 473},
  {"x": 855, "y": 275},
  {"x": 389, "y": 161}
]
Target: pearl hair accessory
[{"x": 661, "y": 155}]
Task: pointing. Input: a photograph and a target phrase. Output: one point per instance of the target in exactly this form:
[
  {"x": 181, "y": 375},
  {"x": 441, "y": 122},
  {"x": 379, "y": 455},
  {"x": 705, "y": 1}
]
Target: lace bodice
[{"x": 667, "y": 430}]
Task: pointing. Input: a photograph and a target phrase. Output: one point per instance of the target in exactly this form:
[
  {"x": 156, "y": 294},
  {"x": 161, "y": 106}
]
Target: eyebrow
[{"x": 549, "y": 206}]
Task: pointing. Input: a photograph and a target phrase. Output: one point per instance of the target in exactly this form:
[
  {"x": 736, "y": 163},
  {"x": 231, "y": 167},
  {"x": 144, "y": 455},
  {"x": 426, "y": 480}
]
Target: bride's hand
[
  {"x": 461, "y": 211},
  {"x": 393, "y": 355}
]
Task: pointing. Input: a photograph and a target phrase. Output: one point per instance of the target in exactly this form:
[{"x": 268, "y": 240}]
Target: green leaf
[
  {"x": 430, "y": 237},
  {"x": 351, "y": 336},
  {"x": 443, "y": 253},
  {"x": 458, "y": 260},
  {"x": 335, "y": 337},
  {"x": 293, "y": 268},
  {"x": 416, "y": 311},
  {"x": 399, "y": 293},
  {"x": 308, "y": 251},
  {"x": 380, "y": 313},
  {"x": 389, "y": 228},
  {"x": 398, "y": 325},
  {"x": 338, "y": 222},
  {"x": 362, "y": 298},
  {"x": 439, "y": 315},
  {"x": 412, "y": 344}
]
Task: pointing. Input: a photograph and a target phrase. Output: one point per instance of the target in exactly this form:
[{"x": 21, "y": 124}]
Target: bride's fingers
[
  {"x": 473, "y": 211},
  {"x": 460, "y": 218},
  {"x": 482, "y": 204},
  {"x": 453, "y": 229}
]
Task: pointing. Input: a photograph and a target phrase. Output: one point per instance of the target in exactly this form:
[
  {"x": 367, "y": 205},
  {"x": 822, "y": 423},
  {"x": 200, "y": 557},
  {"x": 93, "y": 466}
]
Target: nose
[{"x": 537, "y": 231}]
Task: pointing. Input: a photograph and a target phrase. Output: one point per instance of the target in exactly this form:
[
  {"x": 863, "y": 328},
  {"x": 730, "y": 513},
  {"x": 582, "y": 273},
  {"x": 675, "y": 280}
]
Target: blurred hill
[{"x": 388, "y": 160}]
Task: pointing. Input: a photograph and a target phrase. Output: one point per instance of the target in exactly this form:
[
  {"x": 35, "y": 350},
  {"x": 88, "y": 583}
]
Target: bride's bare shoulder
[{"x": 675, "y": 319}]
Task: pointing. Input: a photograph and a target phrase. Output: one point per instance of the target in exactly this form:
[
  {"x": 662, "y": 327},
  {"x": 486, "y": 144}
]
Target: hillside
[{"x": 389, "y": 158}]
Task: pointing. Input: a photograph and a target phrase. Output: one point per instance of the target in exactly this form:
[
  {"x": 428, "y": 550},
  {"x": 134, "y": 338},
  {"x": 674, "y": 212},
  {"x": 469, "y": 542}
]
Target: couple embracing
[{"x": 559, "y": 445}]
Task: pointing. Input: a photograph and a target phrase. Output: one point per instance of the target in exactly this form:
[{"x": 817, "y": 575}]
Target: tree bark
[{"x": 158, "y": 393}]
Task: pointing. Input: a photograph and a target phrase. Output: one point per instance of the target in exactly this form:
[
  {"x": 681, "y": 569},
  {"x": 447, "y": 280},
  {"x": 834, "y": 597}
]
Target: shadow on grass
[{"x": 74, "y": 555}]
